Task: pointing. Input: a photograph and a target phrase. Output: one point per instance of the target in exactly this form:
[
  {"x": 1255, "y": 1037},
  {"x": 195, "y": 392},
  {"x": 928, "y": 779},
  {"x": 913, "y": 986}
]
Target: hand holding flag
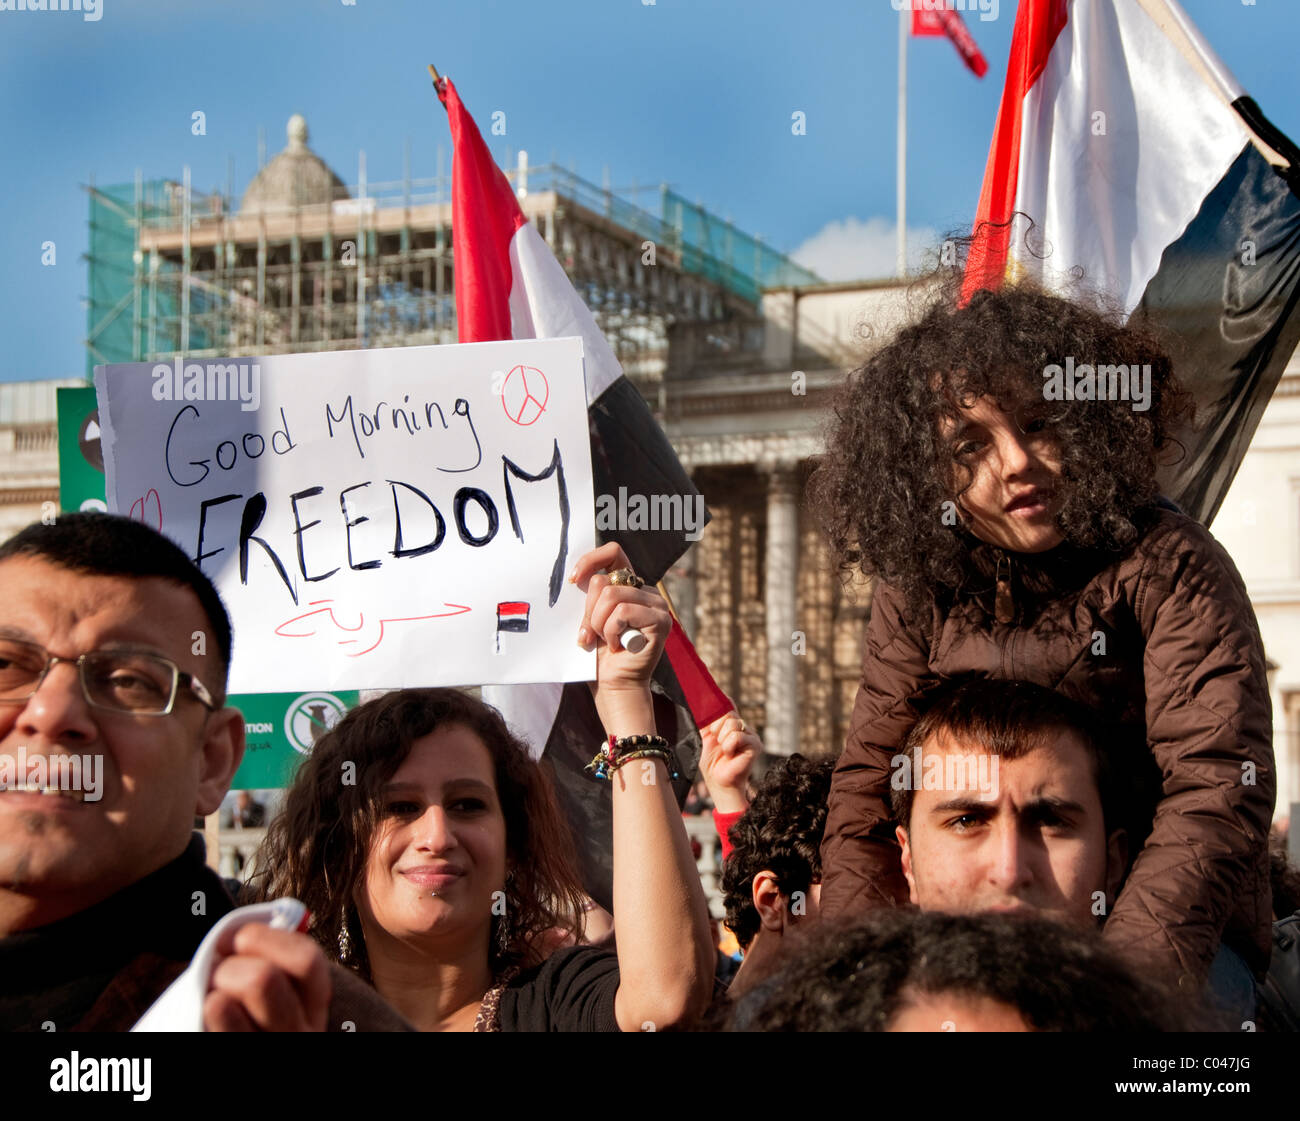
[
  {"x": 613, "y": 611},
  {"x": 730, "y": 749}
]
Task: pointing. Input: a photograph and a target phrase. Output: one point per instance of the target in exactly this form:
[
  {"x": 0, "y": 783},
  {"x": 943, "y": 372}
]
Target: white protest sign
[{"x": 372, "y": 518}]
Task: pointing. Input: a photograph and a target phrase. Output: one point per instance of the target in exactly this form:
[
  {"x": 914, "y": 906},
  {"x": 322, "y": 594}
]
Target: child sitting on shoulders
[{"x": 1016, "y": 529}]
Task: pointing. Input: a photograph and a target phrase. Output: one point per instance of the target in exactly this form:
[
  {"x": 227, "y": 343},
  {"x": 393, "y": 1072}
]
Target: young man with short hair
[{"x": 1005, "y": 801}]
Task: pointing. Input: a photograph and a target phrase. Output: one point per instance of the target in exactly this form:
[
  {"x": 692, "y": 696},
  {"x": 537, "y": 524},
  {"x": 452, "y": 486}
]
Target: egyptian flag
[
  {"x": 946, "y": 21},
  {"x": 510, "y": 286},
  {"x": 1140, "y": 164},
  {"x": 512, "y": 617}
]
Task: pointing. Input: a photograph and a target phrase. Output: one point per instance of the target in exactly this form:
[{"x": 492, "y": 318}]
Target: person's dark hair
[
  {"x": 889, "y": 478},
  {"x": 316, "y": 849},
  {"x": 111, "y": 545},
  {"x": 780, "y": 832},
  {"x": 1008, "y": 719},
  {"x": 858, "y": 976}
]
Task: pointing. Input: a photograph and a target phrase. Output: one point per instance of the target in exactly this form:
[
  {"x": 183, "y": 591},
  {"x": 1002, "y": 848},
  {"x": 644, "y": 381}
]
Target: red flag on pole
[
  {"x": 707, "y": 701},
  {"x": 946, "y": 21}
]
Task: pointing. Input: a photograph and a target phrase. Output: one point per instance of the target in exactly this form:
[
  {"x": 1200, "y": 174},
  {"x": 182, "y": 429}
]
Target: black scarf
[{"x": 101, "y": 968}]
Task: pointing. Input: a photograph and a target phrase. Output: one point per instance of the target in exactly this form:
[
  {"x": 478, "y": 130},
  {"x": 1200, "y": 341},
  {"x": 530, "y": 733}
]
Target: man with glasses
[{"x": 114, "y": 650}]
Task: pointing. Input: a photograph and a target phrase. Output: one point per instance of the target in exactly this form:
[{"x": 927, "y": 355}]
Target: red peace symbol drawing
[{"x": 524, "y": 394}]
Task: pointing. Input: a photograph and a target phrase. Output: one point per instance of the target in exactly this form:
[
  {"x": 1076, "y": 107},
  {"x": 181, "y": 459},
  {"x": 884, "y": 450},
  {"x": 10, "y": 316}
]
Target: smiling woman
[
  {"x": 431, "y": 851},
  {"x": 443, "y": 792}
]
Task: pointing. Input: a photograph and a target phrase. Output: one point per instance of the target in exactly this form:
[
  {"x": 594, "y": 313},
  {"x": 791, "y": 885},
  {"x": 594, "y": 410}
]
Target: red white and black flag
[
  {"x": 509, "y": 285},
  {"x": 512, "y": 617},
  {"x": 1144, "y": 166}
]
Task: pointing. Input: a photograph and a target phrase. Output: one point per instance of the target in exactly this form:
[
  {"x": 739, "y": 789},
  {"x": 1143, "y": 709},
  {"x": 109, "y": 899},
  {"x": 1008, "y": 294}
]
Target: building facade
[{"x": 29, "y": 461}]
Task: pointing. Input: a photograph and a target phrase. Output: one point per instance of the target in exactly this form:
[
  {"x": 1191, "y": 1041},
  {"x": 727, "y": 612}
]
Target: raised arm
[
  {"x": 729, "y": 748},
  {"x": 665, "y": 955},
  {"x": 860, "y": 856}
]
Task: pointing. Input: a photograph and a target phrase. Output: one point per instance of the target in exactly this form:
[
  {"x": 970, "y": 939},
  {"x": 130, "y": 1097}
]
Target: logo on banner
[
  {"x": 310, "y": 717},
  {"x": 88, "y": 441}
]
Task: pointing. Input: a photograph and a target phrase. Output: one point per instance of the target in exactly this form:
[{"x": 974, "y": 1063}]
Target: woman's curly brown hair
[
  {"x": 316, "y": 849},
  {"x": 881, "y": 488}
]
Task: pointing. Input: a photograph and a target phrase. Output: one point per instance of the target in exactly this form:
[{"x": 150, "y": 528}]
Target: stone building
[
  {"x": 29, "y": 462},
  {"x": 780, "y": 630}
]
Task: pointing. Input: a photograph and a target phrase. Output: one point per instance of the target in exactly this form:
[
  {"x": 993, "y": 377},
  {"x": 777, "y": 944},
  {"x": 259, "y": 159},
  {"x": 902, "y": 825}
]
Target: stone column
[
  {"x": 781, "y": 735},
  {"x": 681, "y": 586}
]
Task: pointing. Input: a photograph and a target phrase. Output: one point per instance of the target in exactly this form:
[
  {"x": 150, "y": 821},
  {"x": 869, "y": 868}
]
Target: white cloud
[{"x": 851, "y": 249}]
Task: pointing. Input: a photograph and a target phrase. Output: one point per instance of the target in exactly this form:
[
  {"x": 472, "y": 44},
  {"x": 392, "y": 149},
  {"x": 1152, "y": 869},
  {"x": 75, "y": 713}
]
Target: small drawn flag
[{"x": 512, "y": 617}]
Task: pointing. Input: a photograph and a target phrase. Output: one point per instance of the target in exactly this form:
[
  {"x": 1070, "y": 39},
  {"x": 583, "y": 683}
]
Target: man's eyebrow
[
  {"x": 18, "y": 634},
  {"x": 966, "y": 802},
  {"x": 127, "y": 647},
  {"x": 1050, "y": 801},
  {"x": 973, "y": 804}
]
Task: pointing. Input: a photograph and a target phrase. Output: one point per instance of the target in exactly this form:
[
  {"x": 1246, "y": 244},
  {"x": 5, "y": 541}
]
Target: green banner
[
  {"x": 280, "y": 728},
  {"x": 81, "y": 465}
]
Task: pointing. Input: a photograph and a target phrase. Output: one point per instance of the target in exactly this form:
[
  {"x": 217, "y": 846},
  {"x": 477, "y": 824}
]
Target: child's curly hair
[{"x": 881, "y": 488}]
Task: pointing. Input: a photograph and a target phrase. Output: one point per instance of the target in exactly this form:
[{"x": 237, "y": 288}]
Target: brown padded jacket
[{"x": 1182, "y": 672}]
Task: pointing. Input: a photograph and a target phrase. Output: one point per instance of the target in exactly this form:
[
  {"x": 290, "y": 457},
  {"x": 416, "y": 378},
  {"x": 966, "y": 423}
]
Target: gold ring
[{"x": 625, "y": 578}]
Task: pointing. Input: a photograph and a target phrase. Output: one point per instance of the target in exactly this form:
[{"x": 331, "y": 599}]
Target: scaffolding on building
[{"x": 173, "y": 271}]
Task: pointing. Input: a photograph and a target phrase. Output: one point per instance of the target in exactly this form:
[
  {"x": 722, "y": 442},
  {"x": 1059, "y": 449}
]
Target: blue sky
[{"x": 697, "y": 93}]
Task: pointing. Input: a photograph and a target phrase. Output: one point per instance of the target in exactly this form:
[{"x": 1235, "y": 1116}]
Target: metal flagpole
[{"x": 904, "y": 14}]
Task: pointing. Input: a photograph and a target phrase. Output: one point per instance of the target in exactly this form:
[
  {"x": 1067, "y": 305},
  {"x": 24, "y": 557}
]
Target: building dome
[{"x": 296, "y": 177}]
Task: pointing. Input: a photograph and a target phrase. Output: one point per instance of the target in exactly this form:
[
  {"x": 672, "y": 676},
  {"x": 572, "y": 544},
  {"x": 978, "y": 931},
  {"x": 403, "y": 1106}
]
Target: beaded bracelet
[{"x": 617, "y": 750}]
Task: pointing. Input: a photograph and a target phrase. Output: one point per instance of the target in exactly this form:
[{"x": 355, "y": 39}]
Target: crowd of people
[{"x": 1053, "y": 810}]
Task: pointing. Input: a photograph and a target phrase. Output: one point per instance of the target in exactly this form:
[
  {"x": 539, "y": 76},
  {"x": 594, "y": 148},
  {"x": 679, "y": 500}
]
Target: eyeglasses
[{"x": 118, "y": 680}]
